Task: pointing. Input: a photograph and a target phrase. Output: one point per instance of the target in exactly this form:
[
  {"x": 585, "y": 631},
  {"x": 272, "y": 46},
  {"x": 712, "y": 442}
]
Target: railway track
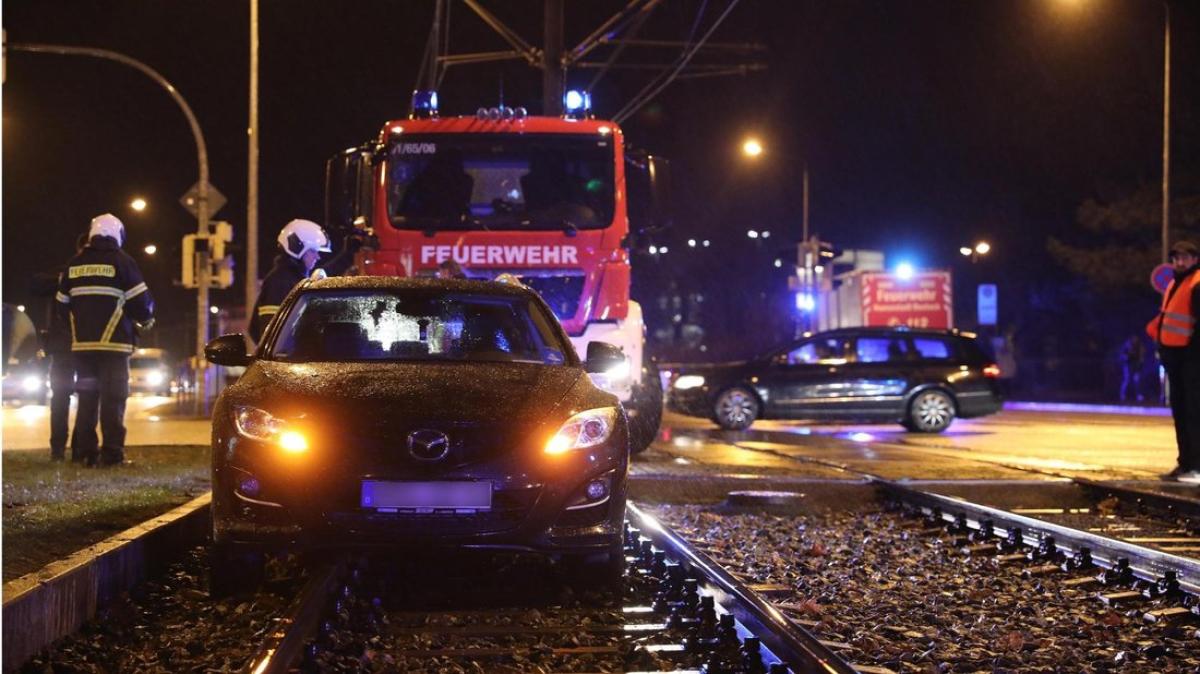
[{"x": 674, "y": 610}]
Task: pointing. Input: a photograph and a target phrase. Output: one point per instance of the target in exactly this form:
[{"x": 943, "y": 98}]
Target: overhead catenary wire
[{"x": 651, "y": 90}]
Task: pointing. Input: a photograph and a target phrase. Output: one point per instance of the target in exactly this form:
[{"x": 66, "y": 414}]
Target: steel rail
[
  {"x": 285, "y": 644},
  {"x": 1145, "y": 563},
  {"x": 795, "y": 646}
]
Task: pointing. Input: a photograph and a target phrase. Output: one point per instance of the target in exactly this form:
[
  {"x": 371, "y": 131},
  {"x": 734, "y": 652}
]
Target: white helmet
[
  {"x": 108, "y": 225},
  {"x": 300, "y": 236}
]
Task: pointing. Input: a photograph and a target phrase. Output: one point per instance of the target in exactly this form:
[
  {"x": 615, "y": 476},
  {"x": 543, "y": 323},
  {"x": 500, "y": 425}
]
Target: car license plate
[{"x": 426, "y": 496}]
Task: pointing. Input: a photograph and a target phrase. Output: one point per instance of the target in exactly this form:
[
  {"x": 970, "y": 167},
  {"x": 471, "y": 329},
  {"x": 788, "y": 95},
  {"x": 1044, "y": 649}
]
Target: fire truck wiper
[{"x": 569, "y": 227}]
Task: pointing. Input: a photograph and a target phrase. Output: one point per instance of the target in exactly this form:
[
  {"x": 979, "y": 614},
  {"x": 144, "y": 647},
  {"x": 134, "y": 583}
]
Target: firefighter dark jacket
[
  {"x": 100, "y": 296},
  {"x": 286, "y": 274}
]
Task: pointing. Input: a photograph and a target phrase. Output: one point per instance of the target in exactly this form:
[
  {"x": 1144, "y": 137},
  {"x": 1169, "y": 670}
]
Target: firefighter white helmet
[
  {"x": 300, "y": 236},
  {"x": 108, "y": 225}
]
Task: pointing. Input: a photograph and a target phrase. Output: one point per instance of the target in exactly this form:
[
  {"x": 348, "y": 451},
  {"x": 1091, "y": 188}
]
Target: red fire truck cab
[{"x": 541, "y": 198}]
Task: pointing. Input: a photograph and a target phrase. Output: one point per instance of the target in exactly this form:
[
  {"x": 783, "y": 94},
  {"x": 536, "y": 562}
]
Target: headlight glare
[
  {"x": 156, "y": 378},
  {"x": 261, "y": 425},
  {"x": 586, "y": 429},
  {"x": 688, "y": 381},
  {"x": 31, "y": 383}
]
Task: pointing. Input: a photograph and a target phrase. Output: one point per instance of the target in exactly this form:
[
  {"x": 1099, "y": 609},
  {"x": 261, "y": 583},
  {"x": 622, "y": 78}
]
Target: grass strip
[{"x": 54, "y": 509}]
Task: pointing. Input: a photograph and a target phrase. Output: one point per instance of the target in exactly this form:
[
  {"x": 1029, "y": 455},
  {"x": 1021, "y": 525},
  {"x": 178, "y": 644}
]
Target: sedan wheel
[
  {"x": 930, "y": 412},
  {"x": 736, "y": 409}
]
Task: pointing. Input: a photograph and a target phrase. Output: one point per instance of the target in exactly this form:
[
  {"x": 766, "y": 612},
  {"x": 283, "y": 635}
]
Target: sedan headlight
[
  {"x": 586, "y": 429},
  {"x": 688, "y": 381},
  {"x": 31, "y": 383},
  {"x": 261, "y": 425}
]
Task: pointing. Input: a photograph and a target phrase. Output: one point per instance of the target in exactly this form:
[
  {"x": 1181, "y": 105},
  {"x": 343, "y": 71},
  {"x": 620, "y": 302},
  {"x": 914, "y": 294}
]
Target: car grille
[{"x": 561, "y": 292}]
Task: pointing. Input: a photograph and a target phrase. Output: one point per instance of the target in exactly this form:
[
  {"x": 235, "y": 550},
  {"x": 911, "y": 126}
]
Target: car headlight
[
  {"x": 688, "y": 381},
  {"x": 586, "y": 429},
  {"x": 156, "y": 378},
  {"x": 260, "y": 425},
  {"x": 31, "y": 383}
]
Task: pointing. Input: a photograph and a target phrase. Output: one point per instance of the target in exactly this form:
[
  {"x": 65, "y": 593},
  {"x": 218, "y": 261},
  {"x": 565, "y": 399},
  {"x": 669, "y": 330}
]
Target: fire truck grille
[{"x": 562, "y": 293}]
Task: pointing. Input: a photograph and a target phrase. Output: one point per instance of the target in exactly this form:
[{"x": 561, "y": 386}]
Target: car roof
[{"x": 479, "y": 286}]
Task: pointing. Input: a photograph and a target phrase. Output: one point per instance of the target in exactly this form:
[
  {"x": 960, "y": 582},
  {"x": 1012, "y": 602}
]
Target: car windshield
[
  {"x": 500, "y": 181},
  {"x": 349, "y": 326}
]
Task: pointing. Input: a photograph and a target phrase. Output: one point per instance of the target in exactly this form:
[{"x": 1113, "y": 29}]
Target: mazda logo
[{"x": 428, "y": 445}]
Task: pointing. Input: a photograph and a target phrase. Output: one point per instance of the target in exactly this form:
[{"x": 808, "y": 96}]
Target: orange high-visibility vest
[{"x": 1175, "y": 323}]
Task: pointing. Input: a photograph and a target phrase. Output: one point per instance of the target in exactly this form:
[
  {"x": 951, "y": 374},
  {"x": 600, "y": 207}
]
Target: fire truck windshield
[{"x": 500, "y": 182}]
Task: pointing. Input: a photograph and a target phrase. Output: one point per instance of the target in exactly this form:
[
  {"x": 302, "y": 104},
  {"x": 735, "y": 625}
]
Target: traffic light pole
[{"x": 201, "y": 197}]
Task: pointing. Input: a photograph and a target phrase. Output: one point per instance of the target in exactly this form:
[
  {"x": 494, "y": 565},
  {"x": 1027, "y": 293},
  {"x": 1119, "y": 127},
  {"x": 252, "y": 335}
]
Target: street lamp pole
[
  {"x": 1166, "y": 143},
  {"x": 202, "y": 276},
  {"x": 252, "y": 169}
]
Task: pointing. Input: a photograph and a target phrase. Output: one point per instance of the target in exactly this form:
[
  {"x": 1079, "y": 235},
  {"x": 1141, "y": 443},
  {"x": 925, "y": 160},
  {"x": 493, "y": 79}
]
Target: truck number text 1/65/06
[{"x": 501, "y": 255}]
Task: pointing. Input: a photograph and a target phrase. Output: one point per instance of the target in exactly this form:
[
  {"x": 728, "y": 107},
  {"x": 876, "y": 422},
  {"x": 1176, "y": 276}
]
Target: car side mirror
[
  {"x": 601, "y": 356},
  {"x": 228, "y": 350}
]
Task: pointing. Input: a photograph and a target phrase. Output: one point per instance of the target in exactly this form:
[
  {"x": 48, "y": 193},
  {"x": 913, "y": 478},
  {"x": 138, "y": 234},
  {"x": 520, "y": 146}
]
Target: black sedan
[
  {"x": 415, "y": 413},
  {"x": 922, "y": 379}
]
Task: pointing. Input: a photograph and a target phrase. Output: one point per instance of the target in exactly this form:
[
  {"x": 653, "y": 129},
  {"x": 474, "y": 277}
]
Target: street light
[
  {"x": 151, "y": 249},
  {"x": 138, "y": 204},
  {"x": 752, "y": 147},
  {"x": 966, "y": 251},
  {"x": 983, "y": 247}
]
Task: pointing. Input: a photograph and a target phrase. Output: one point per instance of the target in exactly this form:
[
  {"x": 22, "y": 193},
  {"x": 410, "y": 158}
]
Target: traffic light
[{"x": 221, "y": 233}]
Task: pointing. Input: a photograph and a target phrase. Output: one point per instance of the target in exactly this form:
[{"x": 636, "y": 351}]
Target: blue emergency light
[
  {"x": 424, "y": 104},
  {"x": 576, "y": 103}
]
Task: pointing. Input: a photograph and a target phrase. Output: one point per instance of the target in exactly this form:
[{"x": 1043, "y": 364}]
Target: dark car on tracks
[
  {"x": 382, "y": 412},
  {"x": 922, "y": 379}
]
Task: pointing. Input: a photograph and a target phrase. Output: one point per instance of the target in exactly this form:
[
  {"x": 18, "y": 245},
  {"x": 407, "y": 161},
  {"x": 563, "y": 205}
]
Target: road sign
[
  {"x": 191, "y": 199},
  {"x": 988, "y": 298},
  {"x": 1161, "y": 277},
  {"x": 923, "y": 301}
]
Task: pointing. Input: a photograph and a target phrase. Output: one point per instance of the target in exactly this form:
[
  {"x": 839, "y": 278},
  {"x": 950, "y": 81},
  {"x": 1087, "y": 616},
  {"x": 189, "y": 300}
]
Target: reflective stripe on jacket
[
  {"x": 1176, "y": 322},
  {"x": 100, "y": 295}
]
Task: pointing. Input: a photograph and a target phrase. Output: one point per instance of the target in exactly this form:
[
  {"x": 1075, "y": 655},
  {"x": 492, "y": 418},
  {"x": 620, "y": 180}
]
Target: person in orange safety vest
[{"x": 1174, "y": 333}]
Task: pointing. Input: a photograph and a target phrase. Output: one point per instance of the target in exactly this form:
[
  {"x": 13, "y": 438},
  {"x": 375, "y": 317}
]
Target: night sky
[{"x": 926, "y": 125}]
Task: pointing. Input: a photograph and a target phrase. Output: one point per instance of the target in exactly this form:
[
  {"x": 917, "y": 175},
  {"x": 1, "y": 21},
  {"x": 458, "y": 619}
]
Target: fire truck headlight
[
  {"x": 156, "y": 378},
  {"x": 618, "y": 373},
  {"x": 31, "y": 383},
  {"x": 688, "y": 381}
]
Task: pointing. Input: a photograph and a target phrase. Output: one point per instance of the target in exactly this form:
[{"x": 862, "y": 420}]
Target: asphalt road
[
  {"x": 1012, "y": 444},
  {"x": 149, "y": 420}
]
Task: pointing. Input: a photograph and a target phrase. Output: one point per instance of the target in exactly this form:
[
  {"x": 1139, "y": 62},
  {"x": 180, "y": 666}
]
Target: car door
[
  {"x": 805, "y": 378},
  {"x": 878, "y": 372}
]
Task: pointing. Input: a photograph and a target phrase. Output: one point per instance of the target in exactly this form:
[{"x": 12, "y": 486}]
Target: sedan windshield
[
  {"x": 509, "y": 182},
  {"x": 417, "y": 325}
]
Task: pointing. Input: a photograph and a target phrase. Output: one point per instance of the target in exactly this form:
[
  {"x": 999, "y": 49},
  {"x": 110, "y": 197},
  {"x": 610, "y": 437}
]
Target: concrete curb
[{"x": 46, "y": 605}]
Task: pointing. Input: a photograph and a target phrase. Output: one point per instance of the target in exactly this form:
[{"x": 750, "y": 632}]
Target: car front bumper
[{"x": 534, "y": 510}]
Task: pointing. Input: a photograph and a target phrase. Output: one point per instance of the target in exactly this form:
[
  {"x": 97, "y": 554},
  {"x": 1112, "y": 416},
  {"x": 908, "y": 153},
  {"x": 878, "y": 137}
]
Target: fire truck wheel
[
  {"x": 645, "y": 410},
  {"x": 736, "y": 409}
]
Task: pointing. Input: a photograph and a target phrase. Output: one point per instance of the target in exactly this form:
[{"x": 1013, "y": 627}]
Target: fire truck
[{"x": 549, "y": 200}]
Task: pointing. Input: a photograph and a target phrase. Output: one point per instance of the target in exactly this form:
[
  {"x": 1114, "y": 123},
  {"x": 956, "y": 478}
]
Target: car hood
[{"x": 483, "y": 392}]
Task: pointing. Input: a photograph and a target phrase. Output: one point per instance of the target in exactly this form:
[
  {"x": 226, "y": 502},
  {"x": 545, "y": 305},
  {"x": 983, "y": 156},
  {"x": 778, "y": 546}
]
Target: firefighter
[
  {"x": 105, "y": 301},
  {"x": 1174, "y": 333},
  {"x": 301, "y": 243}
]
